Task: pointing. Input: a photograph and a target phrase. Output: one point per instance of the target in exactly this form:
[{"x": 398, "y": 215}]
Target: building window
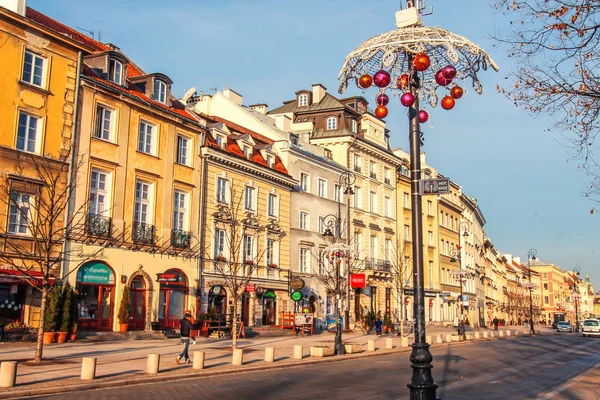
[
  {"x": 304, "y": 222},
  {"x": 221, "y": 190},
  {"x": 388, "y": 207},
  {"x": 373, "y": 247},
  {"x": 305, "y": 182},
  {"x": 386, "y": 175},
  {"x": 304, "y": 260},
  {"x": 143, "y": 202},
  {"x": 34, "y": 69},
  {"x": 430, "y": 274},
  {"x": 358, "y": 197},
  {"x": 357, "y": 244},
  {"x": 357, "y": 163},
  {"x": 321, "y": 225},
  {"x": 303, "y": 100},
  {"x": 247, "y": 151},
  {"x": 328, "y": 154},
  {"x": 19, "y": 215},
  {"x": 331, "y": 123},
  {"x": 147, "y": 141},
  {"x": 388, "y": 249},
  {"x": 373, "y": 169},
  {"x": 429, "y": 207},
  {"x": 546, "y": 300},
  {"x": 404, "y": 170},
  {"x": 373, "y": 202},
  {"x": 220, "y": 140},
  {"x": 99, "y": 193},
  {"x": 249, "y": 200},
  {"x": 406, "y": 200},
  {"x": 115, "y": 72},
  {"x": 354, "y": 126},
  {"x": 545, "y": 286},
  {"x": 180, "y": 212},
  {"x": 406, "y": 233},
  {"x": 430, "y": 238},
  {"x": 28, "y": 134},
  {"x": 545, "y": 275},
  {"x": 272, "y": 205},
  {"x": 271, "y": 253},
  {"x": 183, "y": 150},
  {"x": 160, "y": 91},
  {"x": 322, "y": 187},
  {"x": 219, "y": 249},
  {"x": 248, "y": 248},
  {"x": 104, "y": 123},
  {"x": 336, "y": 192},
  {"x": 270, "y": 160}
]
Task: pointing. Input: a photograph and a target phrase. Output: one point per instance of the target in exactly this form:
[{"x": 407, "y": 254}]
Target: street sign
[
  {"x": 296, "y": 295},
  {"x": 434, "y": 186},
  {"x": 358, "y": 281},
  {"x": 250, "y": 288},
  {"x": 297, "y": 283}
]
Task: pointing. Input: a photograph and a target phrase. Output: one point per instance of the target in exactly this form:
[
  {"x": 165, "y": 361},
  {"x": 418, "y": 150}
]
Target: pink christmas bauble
[
  {"x": 382, "y": 99},
  {"x": 423, "y": 116},
  {"x": 449, "y": 72},
  {"x": 407, "y": 99},
  {"x": 381, "y": 78},
  {"x": 441, "y": 80}
]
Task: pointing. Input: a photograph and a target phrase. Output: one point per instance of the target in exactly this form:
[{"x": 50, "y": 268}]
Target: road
[{"x": 519, "y": 368}]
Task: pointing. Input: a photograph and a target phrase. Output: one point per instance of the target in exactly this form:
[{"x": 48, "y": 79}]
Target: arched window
[
  {"x": 331, "y": 123},
  {"x": 303, "y": 100},
  {"x": 115, "y": 71},
  {"x": 160, "y": 91}
]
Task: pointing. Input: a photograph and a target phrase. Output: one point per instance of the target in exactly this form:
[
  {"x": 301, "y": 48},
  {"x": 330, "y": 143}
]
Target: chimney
[
  {"x": 261, "y": 108},
  {"x": 233, "y": 96},
  {"x": 319, "y": 92},
  {"x": 16, "y": 6},
  {"x": 283, "y": 122}
]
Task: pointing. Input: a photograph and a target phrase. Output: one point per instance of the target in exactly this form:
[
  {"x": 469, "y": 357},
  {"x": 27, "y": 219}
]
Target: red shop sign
[
  {"x": 358, "y": 281},
  {"x": 250, "y": 288}
]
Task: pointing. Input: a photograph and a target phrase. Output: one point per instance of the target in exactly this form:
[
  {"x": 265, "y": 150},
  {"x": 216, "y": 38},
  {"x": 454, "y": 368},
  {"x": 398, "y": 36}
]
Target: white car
[{"x": 590, "y": 327}]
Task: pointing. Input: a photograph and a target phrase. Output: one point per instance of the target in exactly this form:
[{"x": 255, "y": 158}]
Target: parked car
[
  {"x": 590, "y": 327},
  {"x": 564, "y": 326}
]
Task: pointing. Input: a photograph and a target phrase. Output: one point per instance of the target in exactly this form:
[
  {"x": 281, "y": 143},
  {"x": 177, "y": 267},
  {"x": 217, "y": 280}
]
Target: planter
[
  {"x": 72, "y": 337},
  {"x": 49, "y": 337},
  {"x": 123, "y": 327},
  {"x": 352, "y": 348},
  {"x": 321, "y": 351},
  {"x": 61, "y": 337}
]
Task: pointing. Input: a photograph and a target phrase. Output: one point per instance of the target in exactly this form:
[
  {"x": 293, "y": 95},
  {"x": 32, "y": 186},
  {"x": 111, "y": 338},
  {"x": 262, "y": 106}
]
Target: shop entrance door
[
  {"x": 246, "y": 310},
  {"x": 269, "y": 311},
  {"x": 106, "y": 307},
  {"x": 138, "y": 304}
]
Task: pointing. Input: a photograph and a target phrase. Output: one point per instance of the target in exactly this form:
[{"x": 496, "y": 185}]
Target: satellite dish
[{"x": 188, "y": 94}]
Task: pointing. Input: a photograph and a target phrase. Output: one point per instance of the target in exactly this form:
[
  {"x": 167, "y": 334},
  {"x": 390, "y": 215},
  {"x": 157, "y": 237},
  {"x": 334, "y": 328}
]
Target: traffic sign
[
  {"x": 434, "y": 186},
  {"x": 296, "y": 295}
]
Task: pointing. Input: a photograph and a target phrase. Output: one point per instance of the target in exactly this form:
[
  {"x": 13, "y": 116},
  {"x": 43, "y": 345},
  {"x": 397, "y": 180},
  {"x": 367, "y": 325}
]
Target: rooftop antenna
[
  {"x": 214, "y": 89},
  {"x": 99, "y": 36},
  {"x": 91, "y": 33}
]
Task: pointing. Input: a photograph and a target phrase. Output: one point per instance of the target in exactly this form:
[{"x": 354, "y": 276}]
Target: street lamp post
[
  {"x": 531, "y": 257},
  {"x": 461, "y": 275},
  {"x": 576, "y": 273}
]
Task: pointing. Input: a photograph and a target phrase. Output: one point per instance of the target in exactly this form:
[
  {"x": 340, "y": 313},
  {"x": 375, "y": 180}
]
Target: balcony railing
[
  {"x": 378, "y": 265},
  {"x": 180, "y": 239},
  {"x": 143, "y": 233},
  {"x": 98, "y": 225}
]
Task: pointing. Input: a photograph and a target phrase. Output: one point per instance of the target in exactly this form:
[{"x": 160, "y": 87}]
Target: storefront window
[
  {"x": 172, "y": 297},
  {"x": 95, "y": 284},
  {"x": 12, "y": 301},
  {"x": 88, "y": 301}
]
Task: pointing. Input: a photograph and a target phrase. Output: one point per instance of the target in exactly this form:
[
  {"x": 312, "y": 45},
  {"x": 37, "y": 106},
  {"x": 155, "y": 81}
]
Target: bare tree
[
  {"x": 557, "y": 62},
  {"x": 37, "y": 195},
  {"x": 399, "y": 261}
]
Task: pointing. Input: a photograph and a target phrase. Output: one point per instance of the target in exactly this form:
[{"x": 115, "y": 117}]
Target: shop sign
[
  {"x": 250, "y": 288},
  {"x": 303, "y": 319},
  {"x": 95, "y": 273},
  {"x": 171, "y": 279},
  {"x": 358, "y": 281},
  {"x": 296, "y": 295},
  {"x": 411, "y": 292},
  {"x": 297, "y": 283}
]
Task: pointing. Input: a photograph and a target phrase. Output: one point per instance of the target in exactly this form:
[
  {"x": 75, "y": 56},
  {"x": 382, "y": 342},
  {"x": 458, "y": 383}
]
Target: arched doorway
[
  {"x": 138, "y": 304},
  {"x": 172, "y": 298},
  {"x": 96, "y": 288},
  {"x": 217, "y": 302}
]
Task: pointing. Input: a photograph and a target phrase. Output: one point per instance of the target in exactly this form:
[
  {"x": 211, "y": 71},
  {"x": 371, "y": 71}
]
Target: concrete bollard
[
  {"x": 469, "y": 336},
  {"x": 477, "y": 335},
  {"x": 516, "y": 333},
  {"x": 492, "y": 334},
  {"x": 486, "y": 335},
  {"x": 8, "y": 374},
  {"x": 404, "y": 342},
  {"x": 88, "y": 368},
  {"x": 198, "y": 360},
  {"x": 500, "y": 333},
  {"x": 269, "y": 354},
  {"x": 508, "y": 332},
  {"x": 153, "y": 363},
  {"x": 438, "y": 339},
  {"x": 389, "y": 343},
  {"x": 428, "y": 339},
  {"x": 448, "y": 338},
  {"x": 298, "y": 352},
  {"x": 371, "y": 345},
  {"x": 238, "y": 357}
]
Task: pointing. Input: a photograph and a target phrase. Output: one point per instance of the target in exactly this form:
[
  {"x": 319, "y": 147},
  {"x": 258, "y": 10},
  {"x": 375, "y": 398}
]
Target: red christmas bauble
[
  {"x": 381, "y": 78},
  {"x": 456, "y": 92},
  {"x": 439, "y": 78},
  {"x": 448, "y": 103},
  {"x": 449, "y": 72},
  {"x": 381, "y": 111},
  {"x": 382, "y": 99},
  {"x": 423, "y": 116},
  {"x": 421, "y": 62},
  {"x": 407, "y": 99},
  {"x": 365, "y": 81},
  {"x": 402, "y": 81}
]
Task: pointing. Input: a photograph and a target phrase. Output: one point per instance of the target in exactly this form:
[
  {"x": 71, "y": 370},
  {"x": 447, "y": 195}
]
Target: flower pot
[
  {"x": 321, "y": 351},
  {"x": 123, "y": 327},
  {"x": 73, "y": 336},
  {"x": 352, "y": 348},
  {"x": 61, "y": 337},
  {"x": 49, "y": 337}
]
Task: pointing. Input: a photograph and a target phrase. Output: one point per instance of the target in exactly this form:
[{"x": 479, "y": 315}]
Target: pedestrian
[
  {"x": 378, "y": 326},
  {"x": 495, "y": 322},
  {"x": 185, "y": 330}
]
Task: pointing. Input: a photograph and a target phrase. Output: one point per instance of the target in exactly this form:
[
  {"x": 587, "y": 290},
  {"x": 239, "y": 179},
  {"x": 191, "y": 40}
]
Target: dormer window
[
  {"x": 115, "y": 71},
  {"x": 220, "y": 140},
  {"x": 160, "y": 91},
  {"x": 270, "y": 160},
  {"x": 294, "y": 139},
  {"x": 247, "y": 151},
  {"x": 331, "y": 123},
  {"x": 354, "y": 126},
  {"x": 303, "y": 100}
]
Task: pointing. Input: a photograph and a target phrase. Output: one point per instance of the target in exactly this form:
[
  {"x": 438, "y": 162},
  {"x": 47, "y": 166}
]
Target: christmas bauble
[
  {"x": 421, "y": 62},
  {"x": 381, "y": 78},
  {"x": 449, "y": 72},
  {"x": 448, "y": 103},
  {"x": 402, "y": 81},
  {"x": 423, "y": 116},
  {"x": 407, "y": 99},
  {"x": 456, "y": 92},
  {"x": 382, "y": 99},
  {"x": 365, "y": 81},
  {"x": 381, "y": 111},
  {"x": 441, "y": 80}
]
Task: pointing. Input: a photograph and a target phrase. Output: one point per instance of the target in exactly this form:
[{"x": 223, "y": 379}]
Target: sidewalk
[{"x": 124, "y": 362}]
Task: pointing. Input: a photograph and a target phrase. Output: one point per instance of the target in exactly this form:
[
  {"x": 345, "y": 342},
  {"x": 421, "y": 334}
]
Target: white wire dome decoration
[{"x": 390, "y": 52}]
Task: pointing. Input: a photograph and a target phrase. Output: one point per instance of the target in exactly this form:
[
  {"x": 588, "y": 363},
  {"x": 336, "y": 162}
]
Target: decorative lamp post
[
  {"x": 461, "y": 275},
  {"x": 576, "y": 295},
  {"x": 531, "y": 257},
  {"x": 414, "y": 63}
]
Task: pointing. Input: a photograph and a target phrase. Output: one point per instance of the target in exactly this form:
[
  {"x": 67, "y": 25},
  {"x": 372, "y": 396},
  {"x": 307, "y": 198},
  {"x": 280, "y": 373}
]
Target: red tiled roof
[
  {"x": 65, "y": 30},
  {"x": 232, "y": 125},
  {"x": 133, "y": 71}
]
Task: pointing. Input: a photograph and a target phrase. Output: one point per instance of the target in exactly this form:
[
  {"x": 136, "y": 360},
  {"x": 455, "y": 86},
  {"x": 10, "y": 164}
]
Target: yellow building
[{"x": 38, "y": 105}]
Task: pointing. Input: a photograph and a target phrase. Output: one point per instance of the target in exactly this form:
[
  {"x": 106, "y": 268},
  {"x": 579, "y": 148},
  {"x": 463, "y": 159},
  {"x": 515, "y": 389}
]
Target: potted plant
[
  {"x": 50, "y": 316},
  {"x": 273, "y": 265},
  {"x": 387, "y": 322},
  {"x": 125, "y": 310},
  {"x": 249, "y": 262},
  {"x": 221, "y": 258},
  {"x": 73, "y": 334},
  {"x": 65, "y": 321}
]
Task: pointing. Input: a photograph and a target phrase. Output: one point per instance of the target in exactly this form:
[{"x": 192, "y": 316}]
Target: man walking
[
  {"x": 185, "y": 329},
  {"x": 495, "y": 322}
]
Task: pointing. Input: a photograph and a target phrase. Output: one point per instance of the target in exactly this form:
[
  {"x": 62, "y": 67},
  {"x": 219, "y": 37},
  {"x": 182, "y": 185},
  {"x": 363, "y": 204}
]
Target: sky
[{"x": 527, "y": 187}]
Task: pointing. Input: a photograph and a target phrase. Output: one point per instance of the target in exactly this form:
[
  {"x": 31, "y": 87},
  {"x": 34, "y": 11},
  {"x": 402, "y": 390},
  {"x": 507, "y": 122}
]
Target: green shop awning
[{"x": 95, "y": 272}]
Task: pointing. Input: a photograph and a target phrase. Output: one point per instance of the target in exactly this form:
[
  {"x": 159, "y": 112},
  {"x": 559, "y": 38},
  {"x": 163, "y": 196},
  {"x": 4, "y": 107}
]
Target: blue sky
[{"x": 526, "y": 185}]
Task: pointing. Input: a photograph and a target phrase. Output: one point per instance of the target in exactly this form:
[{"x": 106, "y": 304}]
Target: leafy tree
[
  {"x": 125, "y": 306},
  {"x": 51, "y": 309},
  {"x": 66, "y": 309}
]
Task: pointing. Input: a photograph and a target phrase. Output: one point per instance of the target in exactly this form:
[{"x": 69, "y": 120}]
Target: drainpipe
[{"x": 201, "y": 226}]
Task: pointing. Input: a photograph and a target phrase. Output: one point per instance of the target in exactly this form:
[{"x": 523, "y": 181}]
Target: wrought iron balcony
[
  {"x": 378, "y": 265},
  {"x": 180, "y": 239},
  {"x": 98, "y": 225},
  {"x": 143, "y": 233}
]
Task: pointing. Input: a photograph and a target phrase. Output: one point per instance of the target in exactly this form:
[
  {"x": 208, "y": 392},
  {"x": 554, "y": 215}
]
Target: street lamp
[
  {"x": 531, "y": 257},
  {"x": 576, "y": 295},
  {"x": 413, "y": 62},
  {"x": 462, "y": 276}
]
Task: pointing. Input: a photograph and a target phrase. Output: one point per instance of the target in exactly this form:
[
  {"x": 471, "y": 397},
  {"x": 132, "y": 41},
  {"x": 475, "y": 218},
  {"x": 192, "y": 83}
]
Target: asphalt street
[{"x": 518, "y": 368}]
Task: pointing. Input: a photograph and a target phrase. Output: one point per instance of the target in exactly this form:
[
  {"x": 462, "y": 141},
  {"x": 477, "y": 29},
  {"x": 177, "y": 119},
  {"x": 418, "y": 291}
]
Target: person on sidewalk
[
  {"x": 185, "y": 329},
  {"x": 378, "y": 326},
  {"x": 495, "y": 322}
]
